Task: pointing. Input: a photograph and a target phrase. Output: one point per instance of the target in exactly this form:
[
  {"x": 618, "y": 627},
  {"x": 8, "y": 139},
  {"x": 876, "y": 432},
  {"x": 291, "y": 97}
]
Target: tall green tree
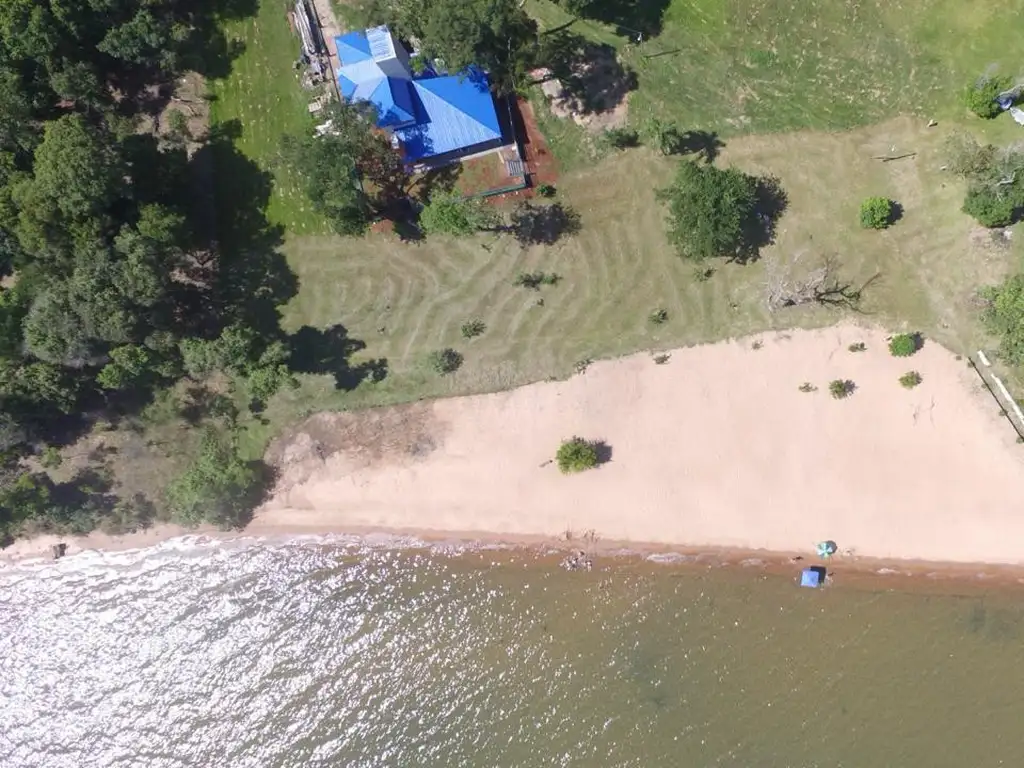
[
  {"x": 709, "y": 210},
  {"x": 495, "y": 35}
]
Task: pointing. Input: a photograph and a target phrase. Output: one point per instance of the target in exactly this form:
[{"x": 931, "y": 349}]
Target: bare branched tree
[{"x": 785, "y": 287}]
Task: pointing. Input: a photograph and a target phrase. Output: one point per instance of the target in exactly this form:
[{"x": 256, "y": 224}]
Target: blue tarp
[{"x": 811, "y": 577}]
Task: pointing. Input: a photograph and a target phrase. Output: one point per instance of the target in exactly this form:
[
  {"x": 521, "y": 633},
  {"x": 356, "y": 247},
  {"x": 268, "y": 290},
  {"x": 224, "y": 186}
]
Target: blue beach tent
[{"x": 812, "y": 577}]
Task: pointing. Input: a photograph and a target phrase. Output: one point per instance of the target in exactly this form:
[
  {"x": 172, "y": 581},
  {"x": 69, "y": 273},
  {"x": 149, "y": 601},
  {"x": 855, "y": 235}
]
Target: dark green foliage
[
  {"x": 444, "y": 361},
  {"x": 904, "y": 344},
  {"x": 51, "y": 457},
  {"x": 658, "y": 316},
  {"x": 447, "y": 213},
  {"x": 129, "y": 366},
  {"x": 841, "y": 388},
  {"x": 494, "y": 35},
  {"x": 715, "y": 212},
  {"x": 1004, "y": 317},
  {"x": 219, "y": 486},
  {"x": 995, "y": 192},
  {"x": 876, "y": 213},
  {"x": 807, "y": 387},
  {"x": 910, "y": 379},
  {"x": 546, "y": 190},
  {"x": 576, "y": 455},
  {"x": 980, "y": 97},
  {"x": 473, "y": 328},
  {"x": 992, "y": 207},
  {"x": 534, "y": 280}
]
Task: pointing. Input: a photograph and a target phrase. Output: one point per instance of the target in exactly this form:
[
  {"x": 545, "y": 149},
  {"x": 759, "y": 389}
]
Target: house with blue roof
[{"x": 433, "y": 117}]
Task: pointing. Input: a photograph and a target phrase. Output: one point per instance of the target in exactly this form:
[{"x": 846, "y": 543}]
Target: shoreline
[
  {"x": 716, "y": 455},
  {"x": 851, "y": 570}
]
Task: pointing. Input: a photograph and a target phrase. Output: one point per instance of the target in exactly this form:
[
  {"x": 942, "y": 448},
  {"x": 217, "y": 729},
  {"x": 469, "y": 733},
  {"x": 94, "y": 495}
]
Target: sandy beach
[{"x": 717, "y": 448}]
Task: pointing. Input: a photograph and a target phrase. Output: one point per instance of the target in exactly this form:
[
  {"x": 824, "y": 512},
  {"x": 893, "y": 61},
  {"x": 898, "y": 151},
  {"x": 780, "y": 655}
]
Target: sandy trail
[{"x": 716, "y": 448}]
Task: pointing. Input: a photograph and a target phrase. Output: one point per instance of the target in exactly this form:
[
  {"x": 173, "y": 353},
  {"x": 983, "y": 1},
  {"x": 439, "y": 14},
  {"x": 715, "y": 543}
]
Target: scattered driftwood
[
  {"x": 890, "y": 158},
  {"x": 783, "y": 288}
]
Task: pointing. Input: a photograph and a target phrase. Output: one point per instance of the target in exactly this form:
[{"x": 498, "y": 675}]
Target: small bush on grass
[
  {"x": 473, "y": 328},
  {"x": 860, "y": 346},
  {"x": 876, "y": 213},
  {"x": 980, "y": 97},
  {"x": 992, "y": 207},
  {"x": 904, "y": 344},
  {"x": 658, "y": 316},
  {"x": 534, "y": 280},
  {"x": 841, "y": 388},
  {"x": 702, "y": 274},
  {"x": 576, "y": 455},
  {"x": 546, "y": 190},
  {"x": 910, "y": 379},
  {"x": 444, "y": 361}
]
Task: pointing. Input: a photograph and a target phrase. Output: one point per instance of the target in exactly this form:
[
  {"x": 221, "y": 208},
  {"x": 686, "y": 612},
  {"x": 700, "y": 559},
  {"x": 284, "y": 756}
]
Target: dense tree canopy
[
  {"x": 351, "y": 172},
  {"x": 107, "y": 286},
  {"x": 495, "y": 35},
  {"x": 709, "y": 210}
]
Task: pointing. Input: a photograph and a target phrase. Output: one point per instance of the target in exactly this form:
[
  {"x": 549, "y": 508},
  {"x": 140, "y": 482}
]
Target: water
[{"x": 276, "y": 655}]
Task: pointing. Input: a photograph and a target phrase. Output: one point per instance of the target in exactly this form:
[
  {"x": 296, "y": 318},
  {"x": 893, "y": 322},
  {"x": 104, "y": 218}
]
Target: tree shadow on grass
[
  {"x": 543, "y": 224},
  {"x": 593, "y": 78},
  {"x": 629, "y": 17},
  {"x": 327, "y": 352},
  {"x": 253, "y": 277},
  {"x": 759, "y": 232}
]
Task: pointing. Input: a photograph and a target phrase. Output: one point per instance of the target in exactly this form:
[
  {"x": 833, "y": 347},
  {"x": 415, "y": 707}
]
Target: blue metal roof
[
  {"x": 430, "y": 115},
  {"x": 457, "y": 113},
  {"x": 353, "y": 47},
  {"x": 393, "y": 100}
]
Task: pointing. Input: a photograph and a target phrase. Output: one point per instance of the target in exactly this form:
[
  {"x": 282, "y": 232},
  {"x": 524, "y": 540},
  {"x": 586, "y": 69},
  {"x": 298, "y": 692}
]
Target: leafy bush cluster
[
  {"x": 1004, "y": 317},
  {"x": 473, "y": 328},
  {"x": 904, "y": 344},
  {"x": 534, "y": 280},
  {"x": 841, "y": 388},
  {"x": 980, "y": 97},
  {"x": 995, "y": 179},
  {"x": 910, "y": 379},
  {"x": 876, "y": 213},
  {"x": 576, "y": 455},
  {"x": 444, "y": 361}
]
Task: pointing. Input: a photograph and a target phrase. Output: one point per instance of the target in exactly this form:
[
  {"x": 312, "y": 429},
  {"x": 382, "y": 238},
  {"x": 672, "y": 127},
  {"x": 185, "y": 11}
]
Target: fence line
[{"x": 1003, "y": 397}]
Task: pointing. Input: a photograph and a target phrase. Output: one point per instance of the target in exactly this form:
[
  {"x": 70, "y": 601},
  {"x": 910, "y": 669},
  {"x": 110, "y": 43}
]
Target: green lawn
[
  {"x": 750, "y": 70},
  {"x": 264, "y": 96},
  {"x": 760, "y": 66}
]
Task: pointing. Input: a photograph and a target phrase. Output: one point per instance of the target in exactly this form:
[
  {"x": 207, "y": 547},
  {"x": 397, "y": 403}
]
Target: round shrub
[
  {"x": 444, "y": 361},
  {"x": 473, "y": 329},
  {"x": 841, "y": 388},
  {"x": 910, "y": 379},
  {"x": 980, "y": 98},
  {"x": 576, "y": 455},
  {"x": 904, "y": 344},
  {"x": 876, "y": 213},
  {"x": 989, "y": 207}
]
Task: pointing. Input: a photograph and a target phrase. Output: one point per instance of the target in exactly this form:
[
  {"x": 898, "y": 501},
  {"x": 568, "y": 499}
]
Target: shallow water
[{"x": 309, "y": 654}]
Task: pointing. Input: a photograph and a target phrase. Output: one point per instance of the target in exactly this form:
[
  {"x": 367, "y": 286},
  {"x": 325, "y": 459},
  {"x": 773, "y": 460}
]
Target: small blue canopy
[{"x": 811, "y": 577}]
